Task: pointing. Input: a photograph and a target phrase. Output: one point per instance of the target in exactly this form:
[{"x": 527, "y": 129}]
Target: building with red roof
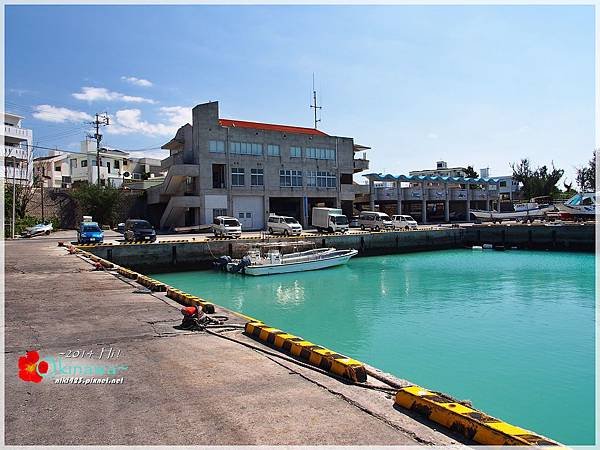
[{"x": 249, "y": 169}]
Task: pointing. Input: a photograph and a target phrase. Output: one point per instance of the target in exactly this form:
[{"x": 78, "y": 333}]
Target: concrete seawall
[
  {"x": 189, "y": 255},
  {"x": 577, "y": 237}
]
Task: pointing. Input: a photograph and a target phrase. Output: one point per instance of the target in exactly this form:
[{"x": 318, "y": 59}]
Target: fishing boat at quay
[
  {"x": 273, "y": 261},
  {"x": 523, "y": 211}
]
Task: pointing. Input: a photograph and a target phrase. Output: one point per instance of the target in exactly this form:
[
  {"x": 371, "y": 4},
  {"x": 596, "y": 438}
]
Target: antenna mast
[{"x": 314, "y": 104}]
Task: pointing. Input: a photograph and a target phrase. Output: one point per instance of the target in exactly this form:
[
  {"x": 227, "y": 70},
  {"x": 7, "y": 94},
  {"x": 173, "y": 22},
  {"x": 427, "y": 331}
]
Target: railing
[
  {"x": 17, "y": 152},
  {"x": 19, "y": 173},
  {"x": 361, "y": 164},
  {"x": 21, "y": 133}
]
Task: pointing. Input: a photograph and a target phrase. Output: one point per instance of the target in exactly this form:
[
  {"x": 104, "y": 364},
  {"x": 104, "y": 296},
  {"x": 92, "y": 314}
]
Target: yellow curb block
[
  {"x": 316, "y": 355},
  {"x": 190, "y": 300},
  {"x": 127, "y": 273},
  {"x": 151, "y": 283},
  {"x": 467, "y": 421}
]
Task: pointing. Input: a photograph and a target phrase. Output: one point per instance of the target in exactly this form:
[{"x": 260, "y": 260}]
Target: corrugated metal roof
[
  {"x": 269, "y": 127},
  {"x": 438, "y": 178}
]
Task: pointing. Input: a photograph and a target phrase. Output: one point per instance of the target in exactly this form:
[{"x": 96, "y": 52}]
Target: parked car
[
  {"x": 354, "y": 222},
  {"x": 40, "y": 228},
  {"x": 120, "y": 228},
  {"x": 89, "y": 233},
  {"x": 374, "y": 221},
  {"x": 285, "y": 225},
  {"x": 139, "y": 230},
  {"x": 403, "y": 222},
  {"x": 227, "y": 226}
]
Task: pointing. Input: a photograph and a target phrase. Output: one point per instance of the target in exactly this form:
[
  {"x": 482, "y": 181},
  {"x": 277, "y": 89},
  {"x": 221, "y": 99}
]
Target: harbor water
[{"x": 513, "y": 331}]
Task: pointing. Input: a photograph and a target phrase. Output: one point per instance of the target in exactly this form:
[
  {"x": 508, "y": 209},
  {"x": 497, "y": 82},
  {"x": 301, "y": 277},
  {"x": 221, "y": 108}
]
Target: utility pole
[
  {"x": 14, "y": 186},
  {"x": 101, "y": 120},
  {"x": 314, "y": 105}
]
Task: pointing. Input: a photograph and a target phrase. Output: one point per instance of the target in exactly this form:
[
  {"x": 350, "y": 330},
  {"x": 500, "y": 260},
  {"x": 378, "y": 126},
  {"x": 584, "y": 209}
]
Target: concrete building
[
  {"x": 17, "y": 151},
  {"x": 250, "y": 169},
  {"x": 441, "y": 170},
  {"x": 60, "y": 169},
  {"x": 432, "y": 198}
]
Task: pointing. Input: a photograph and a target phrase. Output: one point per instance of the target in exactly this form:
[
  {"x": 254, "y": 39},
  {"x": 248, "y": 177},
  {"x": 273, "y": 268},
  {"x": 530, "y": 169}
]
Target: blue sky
[{"x": 472, "y": 85}]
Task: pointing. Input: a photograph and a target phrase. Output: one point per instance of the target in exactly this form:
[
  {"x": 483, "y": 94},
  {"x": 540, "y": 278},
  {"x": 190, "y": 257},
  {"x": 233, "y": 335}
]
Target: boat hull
[
  {"x": 303, "y": 266},
  {"x": 494, "y": 215}
]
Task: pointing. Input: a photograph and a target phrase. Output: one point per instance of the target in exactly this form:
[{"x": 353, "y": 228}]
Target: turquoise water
[{"x": 511, "y": 331}]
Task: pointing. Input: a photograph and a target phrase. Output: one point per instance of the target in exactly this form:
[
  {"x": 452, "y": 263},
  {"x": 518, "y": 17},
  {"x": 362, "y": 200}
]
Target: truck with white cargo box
[{"x": 329, "y": 219}]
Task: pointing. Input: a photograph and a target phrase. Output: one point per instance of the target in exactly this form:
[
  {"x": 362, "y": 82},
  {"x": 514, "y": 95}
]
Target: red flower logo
[{"x": 31, "y": 368}]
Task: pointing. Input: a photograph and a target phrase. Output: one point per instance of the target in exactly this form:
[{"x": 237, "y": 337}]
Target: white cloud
[
  {"x": 50, "y": 113},
  {"x": 158, "y": 154},
  {"x": 129, "y": 121},
  {"x": 432, "y": 136},
  {"x": 95, "y": 93},
  {"x": 137, "y": 81}
]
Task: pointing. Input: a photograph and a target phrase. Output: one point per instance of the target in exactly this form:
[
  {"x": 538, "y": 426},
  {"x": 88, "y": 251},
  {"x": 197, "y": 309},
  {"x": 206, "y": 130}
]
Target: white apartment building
[
  {"x": 60, "y": 169},
  {"x": 17, "y": 151}
]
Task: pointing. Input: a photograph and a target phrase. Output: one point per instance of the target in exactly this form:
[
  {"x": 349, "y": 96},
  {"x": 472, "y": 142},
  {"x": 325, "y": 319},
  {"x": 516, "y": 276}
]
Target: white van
[
  {"x": 403, "y": 222},
  {"x": 375, "y": 221},
  {"x": 285, "y": 225},
  {"x": 227, "y": 226}
]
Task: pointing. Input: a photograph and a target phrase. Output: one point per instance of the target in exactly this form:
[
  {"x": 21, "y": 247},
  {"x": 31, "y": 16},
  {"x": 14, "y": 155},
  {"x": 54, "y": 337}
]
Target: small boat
[
  {"x": 523, "y": 211},
  {"x": 579, "y": 207},
  {"x": 274, "y": 262}
]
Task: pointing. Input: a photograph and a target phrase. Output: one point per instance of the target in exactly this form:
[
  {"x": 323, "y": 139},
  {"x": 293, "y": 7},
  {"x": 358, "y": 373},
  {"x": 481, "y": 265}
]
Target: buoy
[{"x": 189, "y": 310}]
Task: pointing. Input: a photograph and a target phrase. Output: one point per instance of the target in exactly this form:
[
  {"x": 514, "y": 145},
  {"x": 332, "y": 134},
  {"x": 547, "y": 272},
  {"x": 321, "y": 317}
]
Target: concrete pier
[{"x": 180, "y": 387}]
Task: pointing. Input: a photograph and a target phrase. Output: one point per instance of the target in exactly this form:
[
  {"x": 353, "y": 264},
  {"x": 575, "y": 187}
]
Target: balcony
[
  {"x": 20, "y": 134},
  {"x": 360, "y": 164},
  {"x": 20, "y": 174},
  {"x": 16, "y": 152}
]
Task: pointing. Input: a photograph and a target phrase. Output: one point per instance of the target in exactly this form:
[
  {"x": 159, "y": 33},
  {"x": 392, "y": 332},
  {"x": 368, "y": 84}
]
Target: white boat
[
  {"x": 525, "y": 211},
  {"x": 580, "y": 206},
  {"x": 275, "y": 262}
]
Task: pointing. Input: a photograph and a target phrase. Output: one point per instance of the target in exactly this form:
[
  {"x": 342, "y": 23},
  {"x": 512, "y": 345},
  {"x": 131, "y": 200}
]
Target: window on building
[
  {"x": 319, "y": 153},
  {"x": 273, "y": 150},
  {"x": 117, "y": 164},
  {"x": 321, "y": 179},
  {"x": 218, "y": 176},
  {"x": 216, "y": 146},
  {"x": 84, "y": 163},
  {"x": 346, "y": 178},
  {"x": 295, "y": 152},
  {"x": 256, "y": 177},
  {"x": 57, "y": 168},
  {"x": 503, "y": 184},
  {"x": 245, "y": 148},
  {"x": 73, "y": 163},
  {"x": 290, "y": 178},
  {"x": 237, "y": 176}
]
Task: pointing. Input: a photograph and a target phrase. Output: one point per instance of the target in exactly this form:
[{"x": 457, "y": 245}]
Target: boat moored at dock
[{"x": 273, "y": 261}]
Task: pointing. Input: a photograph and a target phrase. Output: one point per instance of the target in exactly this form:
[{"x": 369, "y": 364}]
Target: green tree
[
  {"x": 471, "y": 173},
  {"x": 537, "y": 182},
  {"x": 99, "y": 202},
  {"x": 586, "y": 176}
]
